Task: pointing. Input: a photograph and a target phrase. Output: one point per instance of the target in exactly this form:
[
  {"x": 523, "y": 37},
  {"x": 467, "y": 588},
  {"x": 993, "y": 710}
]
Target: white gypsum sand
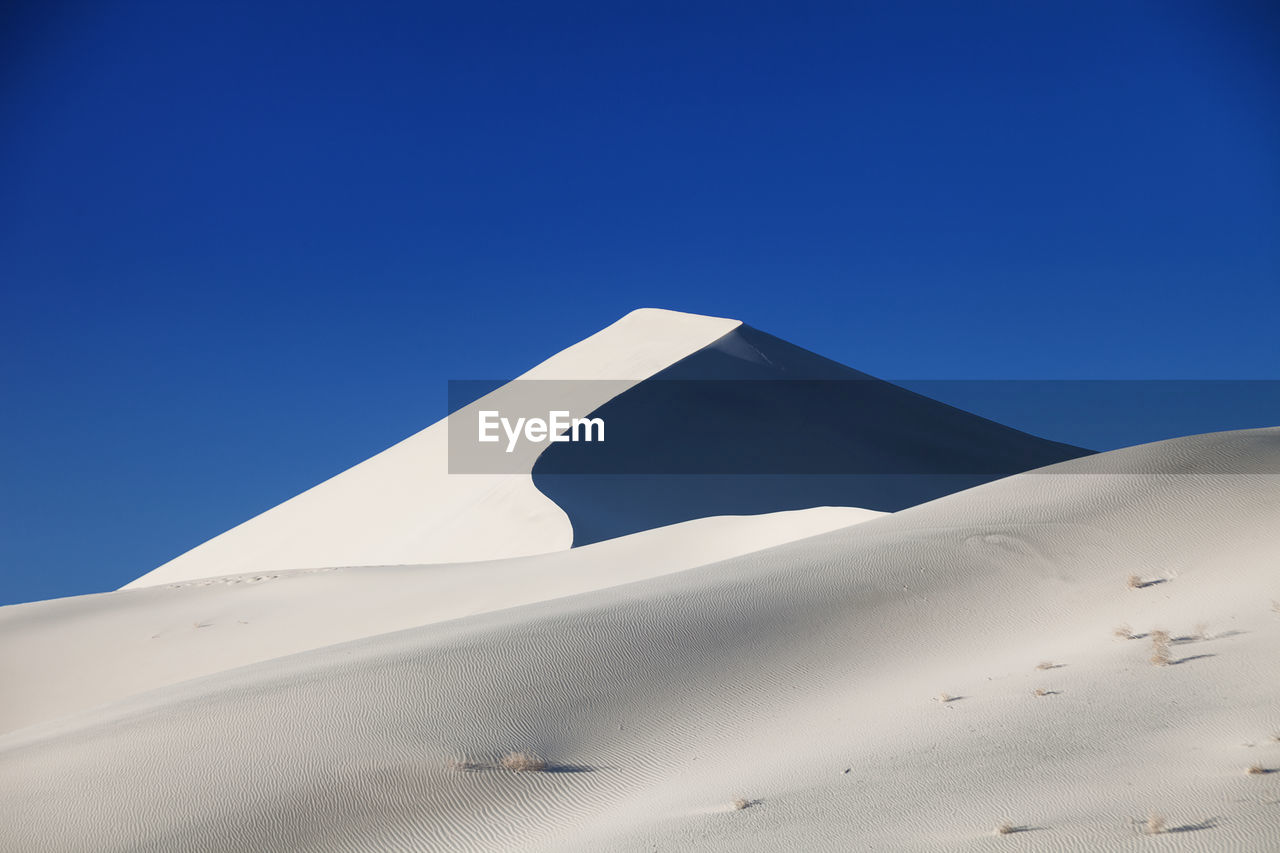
[
  {"x": 402, "y": 506},
  {"x": 840, "y": 437},
  {"x": 108, "y": 646},
  {"x": 800, "y": 680}
]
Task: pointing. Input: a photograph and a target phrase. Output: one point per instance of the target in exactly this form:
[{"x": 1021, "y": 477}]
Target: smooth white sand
[
  {"x": 803, "y": 676},
  {"x": 402, "y": 505},
  {"x": 109, "y": 646}
]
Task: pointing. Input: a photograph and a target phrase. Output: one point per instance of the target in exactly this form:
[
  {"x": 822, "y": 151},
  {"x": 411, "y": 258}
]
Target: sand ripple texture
[{"x": 913, "y": 682}]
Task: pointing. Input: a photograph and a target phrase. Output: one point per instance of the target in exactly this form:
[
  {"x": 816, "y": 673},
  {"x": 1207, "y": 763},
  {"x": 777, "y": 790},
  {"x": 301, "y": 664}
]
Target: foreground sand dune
[
  {"x": 108, "y": 646},
  {"x": 803, "y": 680}
]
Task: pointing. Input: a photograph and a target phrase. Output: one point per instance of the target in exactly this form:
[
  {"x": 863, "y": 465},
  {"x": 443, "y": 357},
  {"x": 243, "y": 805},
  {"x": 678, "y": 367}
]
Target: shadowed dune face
[
  {"x": 802, "y": 679},
  {"x": 752, "y": 424},
  {"x": 401, "y": 506},
  {"x": 706, "y": 418},
  {"x": 825, "y": 680}
]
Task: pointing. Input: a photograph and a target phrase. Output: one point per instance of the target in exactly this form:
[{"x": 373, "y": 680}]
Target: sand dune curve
[
  {"x": 804, "y": 680},
  {"x": 108, "y": 646}
]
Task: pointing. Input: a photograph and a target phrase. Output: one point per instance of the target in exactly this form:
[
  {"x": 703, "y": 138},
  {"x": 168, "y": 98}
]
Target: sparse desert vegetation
[
  {"x": 1255, "y": 770},
  {"x": 1047, "y": 664},
  {"x": 1160, "y": 654},
  {"x": 519, "y": 762},
  {"x": 1155, "y": 824},
  {"x": 1134, "y": 582},
  {"x": 523, "y": 762},
  {"x": 743, "y": 803},
  {"x": 1124, "y": 632},
  {"x": 1005, "y": 828},
  {"x": 944, "y": 698},
  {"x": 1040, "y": 691},
  {"x": 1201, "y": 631}
]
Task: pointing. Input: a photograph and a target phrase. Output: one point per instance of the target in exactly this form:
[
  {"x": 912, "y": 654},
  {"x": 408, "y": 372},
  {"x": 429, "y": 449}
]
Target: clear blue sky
[{"x": 244, "y": 245}]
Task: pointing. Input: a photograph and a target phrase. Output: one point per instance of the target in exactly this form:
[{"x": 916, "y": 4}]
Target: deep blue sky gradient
[{"x": 244, "y": 245}]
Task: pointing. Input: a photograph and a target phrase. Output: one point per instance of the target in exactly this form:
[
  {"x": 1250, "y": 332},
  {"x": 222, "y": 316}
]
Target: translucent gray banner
[{"x": 980, "y": 428}]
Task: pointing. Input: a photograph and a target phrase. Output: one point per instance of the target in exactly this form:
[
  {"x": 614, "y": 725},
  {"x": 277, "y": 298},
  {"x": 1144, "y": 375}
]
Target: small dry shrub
[
  {"x": 462, "y": 765},
  {"x": 944, "y": 698},
  {"x": 1046, "y": 664},
  {"x": 1160, "y": 654},
  {"x": 1040, "y": 691},
  {"x": 1134, "y": 582},
  {"x": 1005, "y": 828},
  {"x": 1155, "y": 824},
  {"x": 1255, "y": 770},
  {"x": 523, "y": 762},
  {"x": 1124, "y": 632},
  {"x": 743, "y": 803}
]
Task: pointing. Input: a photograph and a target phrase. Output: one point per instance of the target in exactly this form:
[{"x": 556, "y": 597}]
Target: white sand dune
[
  {"x": 109, "y": 646},
  {"x": 683, "y": 392},
  {"x": 752, "y": 424},
  {"x": 401, "y": 506},
  {"x": 802, "y": 679}
]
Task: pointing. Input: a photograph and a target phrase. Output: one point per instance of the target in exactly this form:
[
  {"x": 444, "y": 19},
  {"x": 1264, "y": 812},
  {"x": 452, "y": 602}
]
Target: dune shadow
[
  {"x": 728, "y": 430},
  {"x": 1189, "y": 659},
  {"x": 1203, "y": 637}
]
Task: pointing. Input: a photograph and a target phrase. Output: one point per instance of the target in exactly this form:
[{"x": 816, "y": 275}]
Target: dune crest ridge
[
  {"x": 914, "y": 682},
  {"x": 402, "y": 506}
]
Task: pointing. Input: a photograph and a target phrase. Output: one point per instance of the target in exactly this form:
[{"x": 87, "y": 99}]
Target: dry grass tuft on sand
[
  {"x": 1256, "y": 770},
  {"x": 523, "y": 762},
  {"x": 1155, "y": 824},
  {"x": 1160, "y": 654},
  {"x": 1007, "y": 828},
  {"x": 743, "y": 803},
  {"x": 1125, "y": 632}
]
